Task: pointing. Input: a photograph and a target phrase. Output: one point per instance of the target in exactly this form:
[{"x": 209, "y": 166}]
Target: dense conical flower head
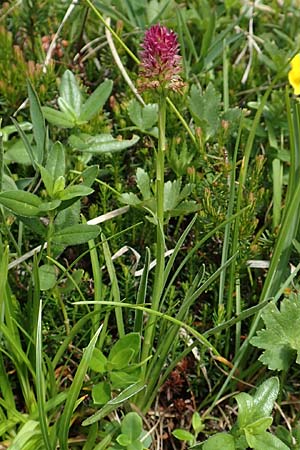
[{"x": 160, "y": 60}]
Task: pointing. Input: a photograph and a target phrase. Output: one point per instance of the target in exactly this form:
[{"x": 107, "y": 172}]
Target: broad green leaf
[
  {"x": 101, "y": 393},
  {"x": 76, "y": 234},
  {"x": 123, "y": 440},
  {"x": 47, "y": 276},
  {"x": 89, "y": 175},
  {"x": 197, "y": 423},
  {"x": 16, "y": 152},
  {"x": 130, "y": 199},
  {"x": 102, "y": 143},
  {"x": 66, "y": 109},
  {"x": 265, "y": 397},
  {"x": 205, "y": 108},
  {"x": 98, "y": 362},
  {"x": 132, "y": 426},
  {"x": 121, "y": 379},
  {"x": 280, "y": 339},
  {"x": 260, "y": 425},
  {"x": 38, "y": 122},
  {"x": 70, "y": 91},
  {"x": 171, "y": 194},
  {"x": 260, "y": 405},
  {"x": 48, "y": 180},
  {"x": 96, "y": 100},
  {"x": 135, "y": 113},
  {"x": 23, "y": 183},
  {"x": 56, "y": 164},
  {"x": 143, "y": 183},
  {"x": 78, "y": 190},
  {"x": 121, "y": 359},
  {"x": 57, "y": 118},
  {"x": 150, "y": 115},
  {"x": 59, "y": 185},
  {"x": 49, "y": 206},
  {"x": 21, "y": 203},
  {"x": 130, "y": 340},
  {"x": 264, "y": 441},
  {"x": 245, "y": 405},
  {"x": 183, "y": 435},
  {"x": 144, "y": 117},
  {"x": 220, "y": 441},
  {"x": 8, "y": 184},
  {"x": 135, "y": 445},
  {"x": 68, "y": 216},
  {"x": 185, "y": 208}
]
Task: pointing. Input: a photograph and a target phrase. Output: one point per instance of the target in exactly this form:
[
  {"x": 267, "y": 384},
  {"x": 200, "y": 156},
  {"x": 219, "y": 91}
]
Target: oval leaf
[
  {"x": 265, "y": 396},
  {"x": 47, "y": 276},
  {"x": 56, "y": 161},
  {"x": 101, "y": 393},
  {"x": 183, "y": 435},
  {"x": 96, "y": 101},
  {"x": 103, "y": 143},
  {"x": 220, "y": 441},
  {"x": 132, "y": 426},
  {"x": 21, "y": 203},
  {"x": 76, "y": 234},
  {"x": 57, "y": 118},
  {"x": 75, "y": 191},
  {"x": 70, "y": 92}
]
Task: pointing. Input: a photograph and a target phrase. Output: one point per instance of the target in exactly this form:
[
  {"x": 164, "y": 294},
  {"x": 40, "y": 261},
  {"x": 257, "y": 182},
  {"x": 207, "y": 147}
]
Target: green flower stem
[
  {"x": 160, "y": 239},
  {"x": 160, "y": 179}
]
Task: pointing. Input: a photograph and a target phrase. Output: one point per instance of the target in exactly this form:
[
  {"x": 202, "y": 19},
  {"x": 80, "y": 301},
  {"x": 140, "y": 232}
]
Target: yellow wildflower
[{"x": 294, "y": 74}]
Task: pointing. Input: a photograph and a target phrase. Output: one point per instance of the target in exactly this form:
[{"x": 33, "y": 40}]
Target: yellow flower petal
[{"x": 294, "y": 74}]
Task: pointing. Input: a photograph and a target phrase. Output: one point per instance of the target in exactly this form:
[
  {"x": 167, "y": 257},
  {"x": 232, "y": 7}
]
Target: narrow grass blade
[
  {"x": 40, "y": 383},
  {"x": 73, "y": 332},
  {"x": 114, "y": 285},
  {"x": 38, "y": 122},
  {"x": 97, "y": 281},
  {"x": 74, "y": 391},
  {"x": 110, "y": 406},
  {"x": 277, "y": 169},
  {"x": 195, "y": 249},
  {"x": 228, "y": 226},
  {"x": 177, "y": 248},
  {"x": 165, "y": 345},
  {"x": 142, "y": 292}
]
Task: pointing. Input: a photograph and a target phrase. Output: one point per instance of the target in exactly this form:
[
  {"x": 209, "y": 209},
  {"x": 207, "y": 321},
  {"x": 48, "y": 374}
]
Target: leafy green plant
[
  {"x": 191, "y": 438},
  {"x": 144, "y": 117},
  {"x": 176, "y": 201},
  {"x": 119, "y": 367},
  {"x": 74, "y": 109},
  {"x": 280, "y": 337},
  {"x": 254, "y": 418},
  {"x": 132, "y": 436}
]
